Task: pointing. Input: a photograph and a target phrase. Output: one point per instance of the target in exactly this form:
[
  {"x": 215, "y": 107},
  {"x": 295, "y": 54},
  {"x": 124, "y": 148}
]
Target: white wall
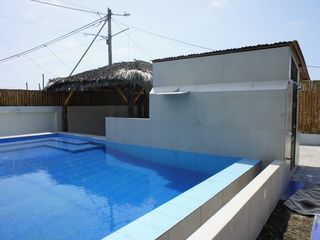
[
  {"x": 233, "y": 123},
  {"x": 91, "y": 119},
  {"x": 244, "y": 216},
  {"x": 310, "y": 139},
  {"x": 25, "y": 120},
  {"x": 252, "y": 66},
  {"x": 237, "y": 105}
]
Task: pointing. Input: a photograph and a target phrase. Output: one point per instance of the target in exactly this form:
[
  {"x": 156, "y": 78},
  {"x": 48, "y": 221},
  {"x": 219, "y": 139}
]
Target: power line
[
  {"x": 39, "y": 66},
  {"x": 58, "y": 51},
  {"x": 78, "y": 5},
  {"x": 34, "y": 23},
  {"x": 310, "y": 66},
  {"x": 134, "y": 42},
  {"x": 70, "y": 8},
  {"x": 168, "y": 38},
  {"x": 57, "y": 57},
  {"x": 88, "y": 47},
  {"x": 54, "y": 40}
]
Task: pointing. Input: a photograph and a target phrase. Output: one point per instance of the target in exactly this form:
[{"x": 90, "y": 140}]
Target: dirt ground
[{"x": 287, "y": 225}]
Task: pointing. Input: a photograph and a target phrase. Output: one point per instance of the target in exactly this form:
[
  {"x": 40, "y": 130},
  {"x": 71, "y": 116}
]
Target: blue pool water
[{"x": 61, "y": 187}]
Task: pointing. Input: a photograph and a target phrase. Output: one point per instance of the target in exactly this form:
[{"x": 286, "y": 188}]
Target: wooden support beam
[
  {"x": 130, "y": 101},
  {"x": 65, "y": 112},
  {"x": 123, "y": 96},
  {"x": 138, "y": 96},
  {"x": 65, "y": 118},
  {"x": 68, "y": 98}
]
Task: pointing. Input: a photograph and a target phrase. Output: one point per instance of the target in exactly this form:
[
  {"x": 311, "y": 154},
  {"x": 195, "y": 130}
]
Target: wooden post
[
  {"x": 138, "y": 96},
  {"x": 65, "y": 118},
  {"x": 123, "y": 96},
  {"x": 65, "y": 112},
  {"x": 130, "y": 101}
]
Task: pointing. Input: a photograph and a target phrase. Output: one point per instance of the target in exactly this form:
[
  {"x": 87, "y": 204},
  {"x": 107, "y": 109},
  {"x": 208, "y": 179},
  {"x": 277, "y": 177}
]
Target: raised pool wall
[
  {"x": 17, "y": 120},
  {"x": 236, "y": 104},
  {"x": 244, "y": 216}
]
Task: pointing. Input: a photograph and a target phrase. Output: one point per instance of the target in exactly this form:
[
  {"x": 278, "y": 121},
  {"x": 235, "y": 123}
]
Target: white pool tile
[
  {"x": 185, "y": 201},
  {"x": 174, "y": 210},
  {"x": 158, "y": 220},
  {"x": 138, "y": 230},
  {"x": 116, "y": 236}
]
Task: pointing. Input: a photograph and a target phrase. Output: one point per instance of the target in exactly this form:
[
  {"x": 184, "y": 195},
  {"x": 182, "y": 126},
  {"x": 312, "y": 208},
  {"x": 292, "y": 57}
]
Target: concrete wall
[
  {"x": 25, "y": 120},
  {"x": 81, "y": 119},
  {"x": 224, "y": 123},
  {"x": 252, "y": 66},
  {"x": 91, "y": 119},
  {"x": 244, "y": 216},
  {"x": 233, "y": 104}
]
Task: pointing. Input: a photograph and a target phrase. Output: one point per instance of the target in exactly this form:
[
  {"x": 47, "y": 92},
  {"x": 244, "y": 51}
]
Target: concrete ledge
[
  {"x": 244, "y": 216},
  {"x": 309, "y": 139},
  {"x": 17, "y": 120}
]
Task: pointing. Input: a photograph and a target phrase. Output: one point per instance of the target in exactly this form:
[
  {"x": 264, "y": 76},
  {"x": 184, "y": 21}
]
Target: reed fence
[
  {"x": 309, "y": 107},
  {"x": 43, "y": 98}
]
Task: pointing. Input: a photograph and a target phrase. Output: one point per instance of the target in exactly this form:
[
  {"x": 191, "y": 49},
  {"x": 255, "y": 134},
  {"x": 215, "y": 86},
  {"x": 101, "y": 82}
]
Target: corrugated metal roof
[{"x": 225, "y": 51}]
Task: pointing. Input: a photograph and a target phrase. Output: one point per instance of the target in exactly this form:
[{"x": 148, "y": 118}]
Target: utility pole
[
  {"x": 26, "y": 85},
  {"x": 109, "y": 39}
]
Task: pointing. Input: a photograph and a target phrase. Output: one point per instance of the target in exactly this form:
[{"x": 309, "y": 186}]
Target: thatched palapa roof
[{"x": 136, "y": 73}]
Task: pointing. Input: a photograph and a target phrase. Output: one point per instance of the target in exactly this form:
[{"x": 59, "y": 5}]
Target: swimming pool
[{"x": 57, "y": 186}]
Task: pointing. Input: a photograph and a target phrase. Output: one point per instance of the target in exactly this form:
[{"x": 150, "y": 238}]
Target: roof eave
[{"x": 296, "y": 50}]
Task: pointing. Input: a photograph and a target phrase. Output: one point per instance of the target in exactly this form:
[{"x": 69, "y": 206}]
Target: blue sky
[{"x": 215, "y": 24}]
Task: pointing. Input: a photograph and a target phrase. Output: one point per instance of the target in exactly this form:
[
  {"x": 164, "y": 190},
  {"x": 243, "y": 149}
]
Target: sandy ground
[{"x": 288, "y": 225}]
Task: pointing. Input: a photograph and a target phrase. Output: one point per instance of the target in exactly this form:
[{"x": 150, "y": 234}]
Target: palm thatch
[{"x": 136, "y": 73}]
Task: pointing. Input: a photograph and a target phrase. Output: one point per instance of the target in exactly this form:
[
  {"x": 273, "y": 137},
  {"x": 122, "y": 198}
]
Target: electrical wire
[
  {"x": 134, "y": 42},
  {"x": 104, "y": 23},
  {"x": 58, "y": 51},
  {"x": 39, "y": 66},
  {"x": 310, "y": 66},
  {"x": 54, "y": 40},
  {"x": 70, "y": 8},
  {"x": 78, "y": 5},
  {"x": 165, "y": 37},
  {"x": 57, "y": 57},
  {"x": 50, "y": 27}
]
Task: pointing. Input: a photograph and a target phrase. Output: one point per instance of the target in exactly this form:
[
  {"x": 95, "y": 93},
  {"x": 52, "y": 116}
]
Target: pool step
[
  {"x": 57, "y": 144},
  {"x": 55, "y": 139},
  {"x": 73, "y": 148}
]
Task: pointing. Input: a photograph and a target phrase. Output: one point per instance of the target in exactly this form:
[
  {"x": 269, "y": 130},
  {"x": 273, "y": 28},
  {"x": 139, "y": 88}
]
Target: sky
[{"x": 211, "y": 24}]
